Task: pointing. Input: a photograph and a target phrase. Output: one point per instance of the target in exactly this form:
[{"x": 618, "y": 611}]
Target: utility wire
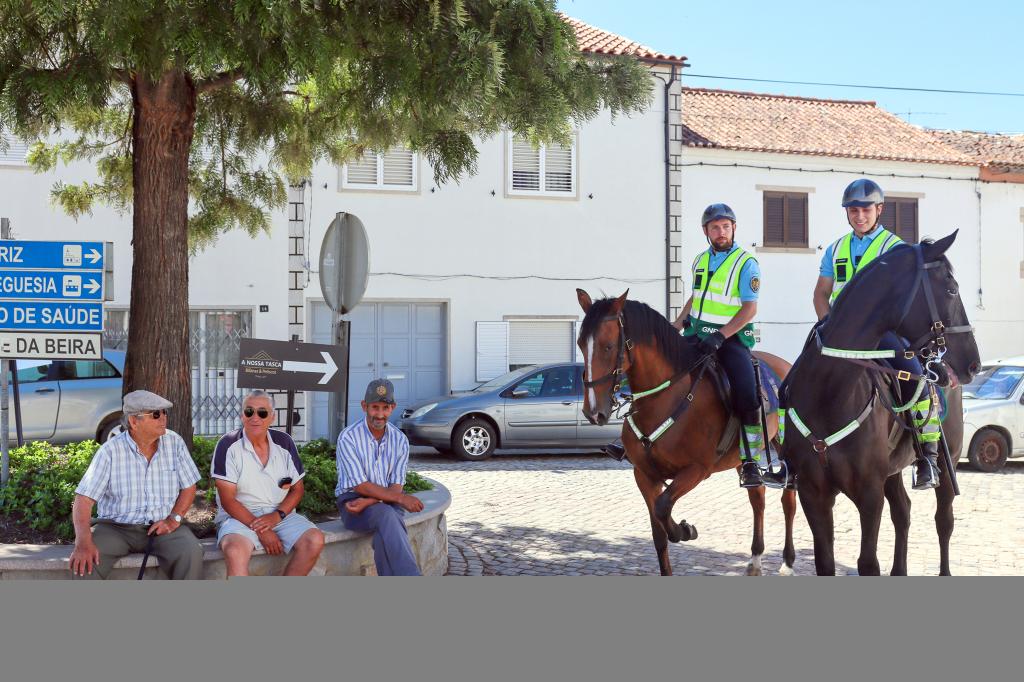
[
  {"x": 504, "y": 278},
  {"x": 866, "y": 87}
]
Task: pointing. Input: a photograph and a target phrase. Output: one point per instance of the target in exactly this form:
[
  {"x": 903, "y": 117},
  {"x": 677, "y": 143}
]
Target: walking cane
[{"x": 145, "y": 555}]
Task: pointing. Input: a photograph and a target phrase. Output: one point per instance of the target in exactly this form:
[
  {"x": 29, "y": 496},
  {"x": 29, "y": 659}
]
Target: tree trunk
[{"x": 158, "y": 336}]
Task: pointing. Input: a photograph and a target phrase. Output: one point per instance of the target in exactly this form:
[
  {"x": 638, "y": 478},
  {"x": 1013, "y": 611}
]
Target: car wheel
[
  {"x": 988, "y": 451},
  {"x": 110, "y": 429},
  {"x": 474, "y": 440}
]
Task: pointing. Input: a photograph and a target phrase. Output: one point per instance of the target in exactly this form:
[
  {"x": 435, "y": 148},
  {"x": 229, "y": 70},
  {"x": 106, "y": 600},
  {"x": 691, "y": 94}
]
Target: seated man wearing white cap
[
  {"x": 258, "y": 475},
  {"x": 143, "y": 481}
]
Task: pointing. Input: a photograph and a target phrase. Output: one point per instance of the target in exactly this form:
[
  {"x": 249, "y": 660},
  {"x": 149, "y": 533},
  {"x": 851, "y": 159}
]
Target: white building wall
[
  {"x": 785, "y": 311},
  {"x": 609, "y": 238},
  {"x": 1000, "y": 320}
]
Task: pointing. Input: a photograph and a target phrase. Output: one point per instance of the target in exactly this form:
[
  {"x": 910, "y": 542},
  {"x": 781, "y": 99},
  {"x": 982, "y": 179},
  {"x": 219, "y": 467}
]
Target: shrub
[{"x": 42, "y": 485}]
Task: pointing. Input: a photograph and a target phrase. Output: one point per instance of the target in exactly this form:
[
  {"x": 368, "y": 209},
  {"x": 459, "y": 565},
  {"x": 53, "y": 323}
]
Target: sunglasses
[
  {"x": 155, "y": 414},
  {"x": 262, "y": 412}
]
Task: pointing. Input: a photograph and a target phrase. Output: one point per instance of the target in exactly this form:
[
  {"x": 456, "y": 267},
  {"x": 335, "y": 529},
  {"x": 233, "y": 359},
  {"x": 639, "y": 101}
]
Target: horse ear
[
  {"x": 584, "y": 299},
  {"x": 938, "y": 248},
  {"x": 620, "y": 302}
]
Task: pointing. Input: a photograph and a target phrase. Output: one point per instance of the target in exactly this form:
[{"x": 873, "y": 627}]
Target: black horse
[{"x": 909, "y": 290}]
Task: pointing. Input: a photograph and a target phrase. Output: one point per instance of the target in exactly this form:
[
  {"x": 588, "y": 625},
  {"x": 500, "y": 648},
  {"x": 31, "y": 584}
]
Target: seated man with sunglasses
[
  {"x": 143, "y": 480},
  {"x": 258, "y": 475}
]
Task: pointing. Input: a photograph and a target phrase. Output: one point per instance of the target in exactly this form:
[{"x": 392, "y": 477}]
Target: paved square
[{"x": 583, "y": 515}]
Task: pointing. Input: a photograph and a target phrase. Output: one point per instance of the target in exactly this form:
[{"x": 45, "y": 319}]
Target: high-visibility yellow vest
[
  {"x": 716, "y": 296},
  {"x": 843, "y": 267}
]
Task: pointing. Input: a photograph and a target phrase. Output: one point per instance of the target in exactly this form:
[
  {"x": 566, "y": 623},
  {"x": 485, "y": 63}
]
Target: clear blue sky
[{"x": 974, "y": 45}]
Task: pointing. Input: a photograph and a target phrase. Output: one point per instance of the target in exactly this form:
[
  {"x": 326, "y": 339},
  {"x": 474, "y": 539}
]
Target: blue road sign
[
  {"x": 25, "y": 255},
  {"x": 39, "y": 284},
  {"x": 51, "y": 316}
]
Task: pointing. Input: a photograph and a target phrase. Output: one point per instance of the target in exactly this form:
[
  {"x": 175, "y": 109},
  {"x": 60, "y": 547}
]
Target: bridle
[
  {"x": 625, "y": 346},
  {"x": 931, "y": 345}
]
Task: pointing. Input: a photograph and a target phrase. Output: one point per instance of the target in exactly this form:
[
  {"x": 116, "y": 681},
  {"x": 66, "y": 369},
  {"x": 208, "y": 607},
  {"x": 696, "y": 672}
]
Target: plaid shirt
[
  {"x": 129, "y": 489},
  {"x": 362, "y": 458}
]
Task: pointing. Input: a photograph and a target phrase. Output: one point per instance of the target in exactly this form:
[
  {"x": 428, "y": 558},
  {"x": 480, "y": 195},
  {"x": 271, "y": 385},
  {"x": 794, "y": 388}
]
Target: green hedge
[{"x": 44, "y": 477}]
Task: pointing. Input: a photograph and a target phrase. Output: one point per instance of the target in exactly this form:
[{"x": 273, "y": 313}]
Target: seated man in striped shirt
[
  {"x": 144, "y": 481},
  {"x": 259, "y": 475},
  {"x": 372, "y": 457}
]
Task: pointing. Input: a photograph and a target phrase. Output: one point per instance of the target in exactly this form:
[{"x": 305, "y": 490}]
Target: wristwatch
[
  {"x": 281, "y": 514},
  {"x": 176, "y": 517}
]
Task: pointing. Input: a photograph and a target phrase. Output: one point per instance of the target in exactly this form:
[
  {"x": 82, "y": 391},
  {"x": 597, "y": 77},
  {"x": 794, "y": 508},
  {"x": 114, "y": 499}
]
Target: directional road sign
[
  {"x": 61, "y": 316},
  {"x": 291, "y": 366},
  {"x": 52, "y": 255},
  {"x": 51, "y": 345},
  {"x": 41, "y": 284}
]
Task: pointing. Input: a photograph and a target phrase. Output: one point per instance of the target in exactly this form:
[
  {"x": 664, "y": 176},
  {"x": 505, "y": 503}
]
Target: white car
[{"x": 994, "y": 414}]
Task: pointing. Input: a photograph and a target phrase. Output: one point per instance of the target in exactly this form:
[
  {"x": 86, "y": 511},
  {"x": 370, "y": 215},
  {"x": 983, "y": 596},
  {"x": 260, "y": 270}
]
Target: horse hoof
[
  {"x": 689, "y": 532},
  {"x": 674, "y": 533},
  {"x": 785, "y": 570},
  {"x": 753, "y": 570}
]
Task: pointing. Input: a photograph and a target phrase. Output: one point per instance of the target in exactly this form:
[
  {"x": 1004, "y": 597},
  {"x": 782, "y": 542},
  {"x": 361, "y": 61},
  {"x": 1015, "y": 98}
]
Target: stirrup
[
  {"x": 777, "y": 479},
  {"x": 929, "y": 483}
]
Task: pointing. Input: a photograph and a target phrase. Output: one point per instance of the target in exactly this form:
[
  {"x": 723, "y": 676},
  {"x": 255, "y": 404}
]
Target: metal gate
[{"x": 213, "y": 350}]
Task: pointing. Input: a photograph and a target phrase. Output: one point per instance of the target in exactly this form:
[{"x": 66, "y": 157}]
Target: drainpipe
[{"x": 668, "y": 193}]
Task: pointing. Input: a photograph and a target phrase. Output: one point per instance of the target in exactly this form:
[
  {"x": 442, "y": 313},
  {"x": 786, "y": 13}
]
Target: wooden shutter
[
  {"x": 907, "y": 220},
  {"x": 577, "y": 353},
  {"x": 398, "y": 168},
  {"x": 796, "y": 223},
  {"x": 14, "y": 154},
  {"x": 491, "y": 350},
  {"x": 774, "y": 219},
  {"x": 538, "y": 342},
  {"x": 558, "y": 168},
  {"x": 525, "y": 166},
  {"x": 363, "y": 171}
]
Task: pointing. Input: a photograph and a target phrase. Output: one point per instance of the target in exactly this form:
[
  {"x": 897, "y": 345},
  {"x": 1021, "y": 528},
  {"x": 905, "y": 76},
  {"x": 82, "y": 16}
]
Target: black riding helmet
[
  {"x": 862, "y": 193},
  {"x": 716, "y": 211}
]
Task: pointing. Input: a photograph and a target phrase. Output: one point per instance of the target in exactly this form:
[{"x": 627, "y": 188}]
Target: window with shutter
[
  {"x": 899, "y": 215},
  {"x": 395, "y": 169},
  {"x": 549, "y": 170},
  {"x": 785, "y": 219},
  {"x": 13, "y": 151}
]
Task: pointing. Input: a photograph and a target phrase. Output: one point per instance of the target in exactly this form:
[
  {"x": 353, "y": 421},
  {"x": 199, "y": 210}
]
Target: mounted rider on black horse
[{"x": 863, "y": 201}]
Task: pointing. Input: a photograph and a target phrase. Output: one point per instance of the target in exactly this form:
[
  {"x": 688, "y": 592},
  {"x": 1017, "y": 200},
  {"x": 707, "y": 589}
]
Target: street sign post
[
  {"x": 290, "y": 365},
  {"x": 51, "y": 305}
]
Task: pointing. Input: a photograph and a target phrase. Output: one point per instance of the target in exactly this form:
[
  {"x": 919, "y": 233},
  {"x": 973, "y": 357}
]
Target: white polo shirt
[{"x": 235, "y": 461}]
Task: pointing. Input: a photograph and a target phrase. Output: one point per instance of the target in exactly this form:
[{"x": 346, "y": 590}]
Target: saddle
[{"x": 768, "y": 383}]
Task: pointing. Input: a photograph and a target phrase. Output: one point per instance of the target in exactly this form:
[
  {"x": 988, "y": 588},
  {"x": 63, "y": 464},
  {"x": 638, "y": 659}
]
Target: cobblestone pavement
[{"x": 583, "y": 515}]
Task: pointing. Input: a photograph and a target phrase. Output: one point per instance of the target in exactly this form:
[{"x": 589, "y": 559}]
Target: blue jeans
[{"x": 392, "y": 552}]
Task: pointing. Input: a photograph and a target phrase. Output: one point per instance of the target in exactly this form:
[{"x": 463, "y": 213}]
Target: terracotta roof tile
[
  {"x": 597, "y": 41},
  {"x": 987, "y": 149},
  {"x": 802, "y": 125}
]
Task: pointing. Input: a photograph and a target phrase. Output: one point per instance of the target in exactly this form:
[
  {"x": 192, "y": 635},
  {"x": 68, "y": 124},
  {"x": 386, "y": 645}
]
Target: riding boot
[
  {"x": 615, "y": 450},
  {"x": 926, "y": 470},
  {"x": 752, "y": 452}
]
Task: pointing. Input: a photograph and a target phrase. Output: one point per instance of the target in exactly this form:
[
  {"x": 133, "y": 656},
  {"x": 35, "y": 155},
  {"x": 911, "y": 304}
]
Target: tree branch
[{"x": 221, "y": 79}]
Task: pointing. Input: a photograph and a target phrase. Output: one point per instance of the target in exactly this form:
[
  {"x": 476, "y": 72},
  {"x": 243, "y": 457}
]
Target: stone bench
[{"x": 345, "y": 552}]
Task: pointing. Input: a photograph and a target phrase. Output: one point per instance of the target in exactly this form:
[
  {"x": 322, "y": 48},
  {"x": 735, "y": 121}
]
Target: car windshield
[
  {"x": 994, "y": 383},
  {"x": 503, "y": 379}
]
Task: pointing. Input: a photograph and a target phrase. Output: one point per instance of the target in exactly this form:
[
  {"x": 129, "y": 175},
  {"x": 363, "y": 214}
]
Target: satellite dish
[{"x": 344, "y": 263}]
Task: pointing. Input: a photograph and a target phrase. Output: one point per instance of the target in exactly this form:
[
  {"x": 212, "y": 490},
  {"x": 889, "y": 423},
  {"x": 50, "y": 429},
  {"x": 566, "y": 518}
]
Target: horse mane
[{"x": 643, "y": 324}]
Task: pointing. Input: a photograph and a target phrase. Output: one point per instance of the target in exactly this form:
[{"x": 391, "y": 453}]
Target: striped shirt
[
  {"x": 258, "y": 486},
  {"x": 362, "y": 458},
  {"x": 129, "y": 489}
]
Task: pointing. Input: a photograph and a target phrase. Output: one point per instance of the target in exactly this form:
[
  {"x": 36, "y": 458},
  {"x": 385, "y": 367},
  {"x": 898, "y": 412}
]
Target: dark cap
[{"x": 380, "y": 391}]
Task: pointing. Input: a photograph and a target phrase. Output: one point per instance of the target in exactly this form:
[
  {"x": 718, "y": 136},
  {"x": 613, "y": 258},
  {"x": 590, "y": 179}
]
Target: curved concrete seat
[{"x": 345, "y": 552}]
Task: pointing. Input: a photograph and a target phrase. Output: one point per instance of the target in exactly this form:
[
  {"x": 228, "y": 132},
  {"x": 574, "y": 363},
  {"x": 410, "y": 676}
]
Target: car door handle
[
  {"x": 568, "y": 402},
  {"x": 44, "y": 390}
]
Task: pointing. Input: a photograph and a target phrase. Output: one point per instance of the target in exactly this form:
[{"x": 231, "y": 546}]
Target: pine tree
[{"x": 198, "y": 113}]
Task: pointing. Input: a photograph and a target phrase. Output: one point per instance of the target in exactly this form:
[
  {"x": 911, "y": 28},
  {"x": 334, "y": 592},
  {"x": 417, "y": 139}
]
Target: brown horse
[{"x": 628, "y": 337}]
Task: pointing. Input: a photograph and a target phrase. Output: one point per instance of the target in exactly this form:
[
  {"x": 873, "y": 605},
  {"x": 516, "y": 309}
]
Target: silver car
[
  {"x": 63, "y": 401},
  {"x": 540, "y": 406},
  {"x": 994, "y": 414}
]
